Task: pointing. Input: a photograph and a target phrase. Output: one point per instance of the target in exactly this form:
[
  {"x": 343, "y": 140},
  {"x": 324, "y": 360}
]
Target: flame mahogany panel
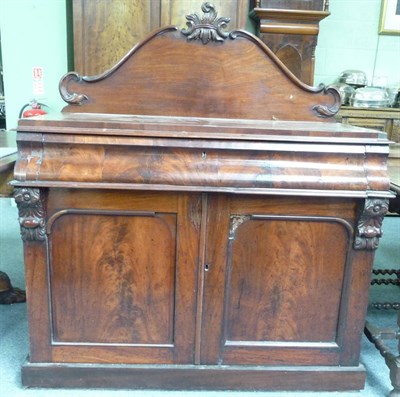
[{"x": 118, "y": 283}]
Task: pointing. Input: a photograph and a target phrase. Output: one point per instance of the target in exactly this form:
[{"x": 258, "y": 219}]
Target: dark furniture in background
[
  {"x": 386, "y": 119},
  {"x": 290, "y": 28},
  {"x": 190, "y": 216},
  {"x": 8, "y": 156},
  {"x": 105, "y": 30}
]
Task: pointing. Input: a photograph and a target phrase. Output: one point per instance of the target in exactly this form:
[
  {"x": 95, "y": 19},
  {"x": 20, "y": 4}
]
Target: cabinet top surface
[{"x": 198, "y": 128}]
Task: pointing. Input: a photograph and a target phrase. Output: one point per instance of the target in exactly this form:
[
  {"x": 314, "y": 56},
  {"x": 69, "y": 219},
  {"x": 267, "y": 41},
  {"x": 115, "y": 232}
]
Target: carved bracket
[
  {"x": 73, "y": 98},
  {"x": 31, "y": 211},
  {"x": 369, "y": 227},
  {"x": 206, "y": 28}
]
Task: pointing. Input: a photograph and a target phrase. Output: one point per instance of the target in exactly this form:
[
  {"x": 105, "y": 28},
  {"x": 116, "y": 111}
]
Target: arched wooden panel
[{"x": 200, "y": 72}]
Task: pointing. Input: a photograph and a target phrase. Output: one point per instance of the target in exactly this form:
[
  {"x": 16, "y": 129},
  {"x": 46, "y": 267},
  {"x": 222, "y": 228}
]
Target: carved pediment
[{"x": 173, "y": 73}]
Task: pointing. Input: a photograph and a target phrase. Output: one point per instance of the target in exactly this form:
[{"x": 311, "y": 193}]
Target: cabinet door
[
  {"x": 122, "y": 276},
  {"x": 274, "y": 286}
]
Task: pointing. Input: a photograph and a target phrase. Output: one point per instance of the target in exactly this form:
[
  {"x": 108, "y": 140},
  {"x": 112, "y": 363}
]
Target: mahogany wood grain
[
  {"x": 279, "y": 306},
  {"x": 103, "y": 282},
  {"x": 118, "y": 284},
  {"x": 259, "y": 277},
  {"x": 105, "y": 30},
  {"x": 194, "y": 378},
  {"x": 216, "y": 89},
  {"x": 356, "y": 307},
  {"x": 39, "y": 320},
  {"x": 117, "y": 125},
  {"x": 265, "y": 153},
  {"x": 215, "y": 260}
]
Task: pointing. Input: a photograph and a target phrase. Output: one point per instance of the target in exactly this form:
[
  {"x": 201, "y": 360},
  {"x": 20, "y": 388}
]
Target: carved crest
[
  {"x": 369, "y": 228},
  {"x": 31, "y": 213},
  {"x": 206, "y": 28}
]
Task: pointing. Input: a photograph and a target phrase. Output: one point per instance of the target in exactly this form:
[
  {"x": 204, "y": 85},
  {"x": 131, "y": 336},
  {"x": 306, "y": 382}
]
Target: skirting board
[{"x": 192, "y": 377}]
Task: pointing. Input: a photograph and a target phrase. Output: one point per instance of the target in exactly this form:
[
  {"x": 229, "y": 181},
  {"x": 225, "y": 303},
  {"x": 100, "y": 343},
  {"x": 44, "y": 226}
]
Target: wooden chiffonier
[{"x": 195, "y": 219}]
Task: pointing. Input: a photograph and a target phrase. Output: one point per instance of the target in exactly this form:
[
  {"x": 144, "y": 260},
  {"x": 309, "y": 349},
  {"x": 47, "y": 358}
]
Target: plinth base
[{"x": 192, "y": 377}]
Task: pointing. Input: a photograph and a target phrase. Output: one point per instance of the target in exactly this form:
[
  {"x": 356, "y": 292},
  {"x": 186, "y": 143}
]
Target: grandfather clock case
[{"x": 290, "y": 28}]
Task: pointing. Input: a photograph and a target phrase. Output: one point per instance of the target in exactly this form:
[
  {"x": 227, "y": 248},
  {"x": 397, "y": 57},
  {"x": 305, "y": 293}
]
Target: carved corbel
[
  {"x": 369, "y": 227},
  {"x": 32, "y": 213}
]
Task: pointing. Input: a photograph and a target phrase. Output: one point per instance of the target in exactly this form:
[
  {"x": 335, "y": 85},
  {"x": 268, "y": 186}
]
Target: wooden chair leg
[{"x": 376, "y": 335}]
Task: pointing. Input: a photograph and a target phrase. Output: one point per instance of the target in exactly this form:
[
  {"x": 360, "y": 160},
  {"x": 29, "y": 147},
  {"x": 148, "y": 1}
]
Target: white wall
[
  {"x": 349, "y": 39},
  {"x": 33, "y": 33}
]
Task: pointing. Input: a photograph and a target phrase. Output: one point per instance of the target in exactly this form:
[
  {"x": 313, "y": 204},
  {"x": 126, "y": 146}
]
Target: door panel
[
  {"x": 123, "y": 281},
  {"x": 279, "y": 279},
  {"x": 119, "y": 277},
  {"x": 271, "y": 265}
]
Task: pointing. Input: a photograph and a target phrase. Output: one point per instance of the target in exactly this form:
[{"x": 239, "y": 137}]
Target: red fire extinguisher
[{"x": 35, "y": 109}]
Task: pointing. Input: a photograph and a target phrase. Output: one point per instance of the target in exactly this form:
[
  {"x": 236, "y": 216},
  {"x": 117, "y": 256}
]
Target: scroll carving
[
  {"x": 328, "y": 111},
  {"x": 73, "y": 98},
  {"x": 236, "y": 221},
  {"x": 206, "y": 28},
  {"x": 31, "y": 211},
  {"x": 369, "y": 228}
]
